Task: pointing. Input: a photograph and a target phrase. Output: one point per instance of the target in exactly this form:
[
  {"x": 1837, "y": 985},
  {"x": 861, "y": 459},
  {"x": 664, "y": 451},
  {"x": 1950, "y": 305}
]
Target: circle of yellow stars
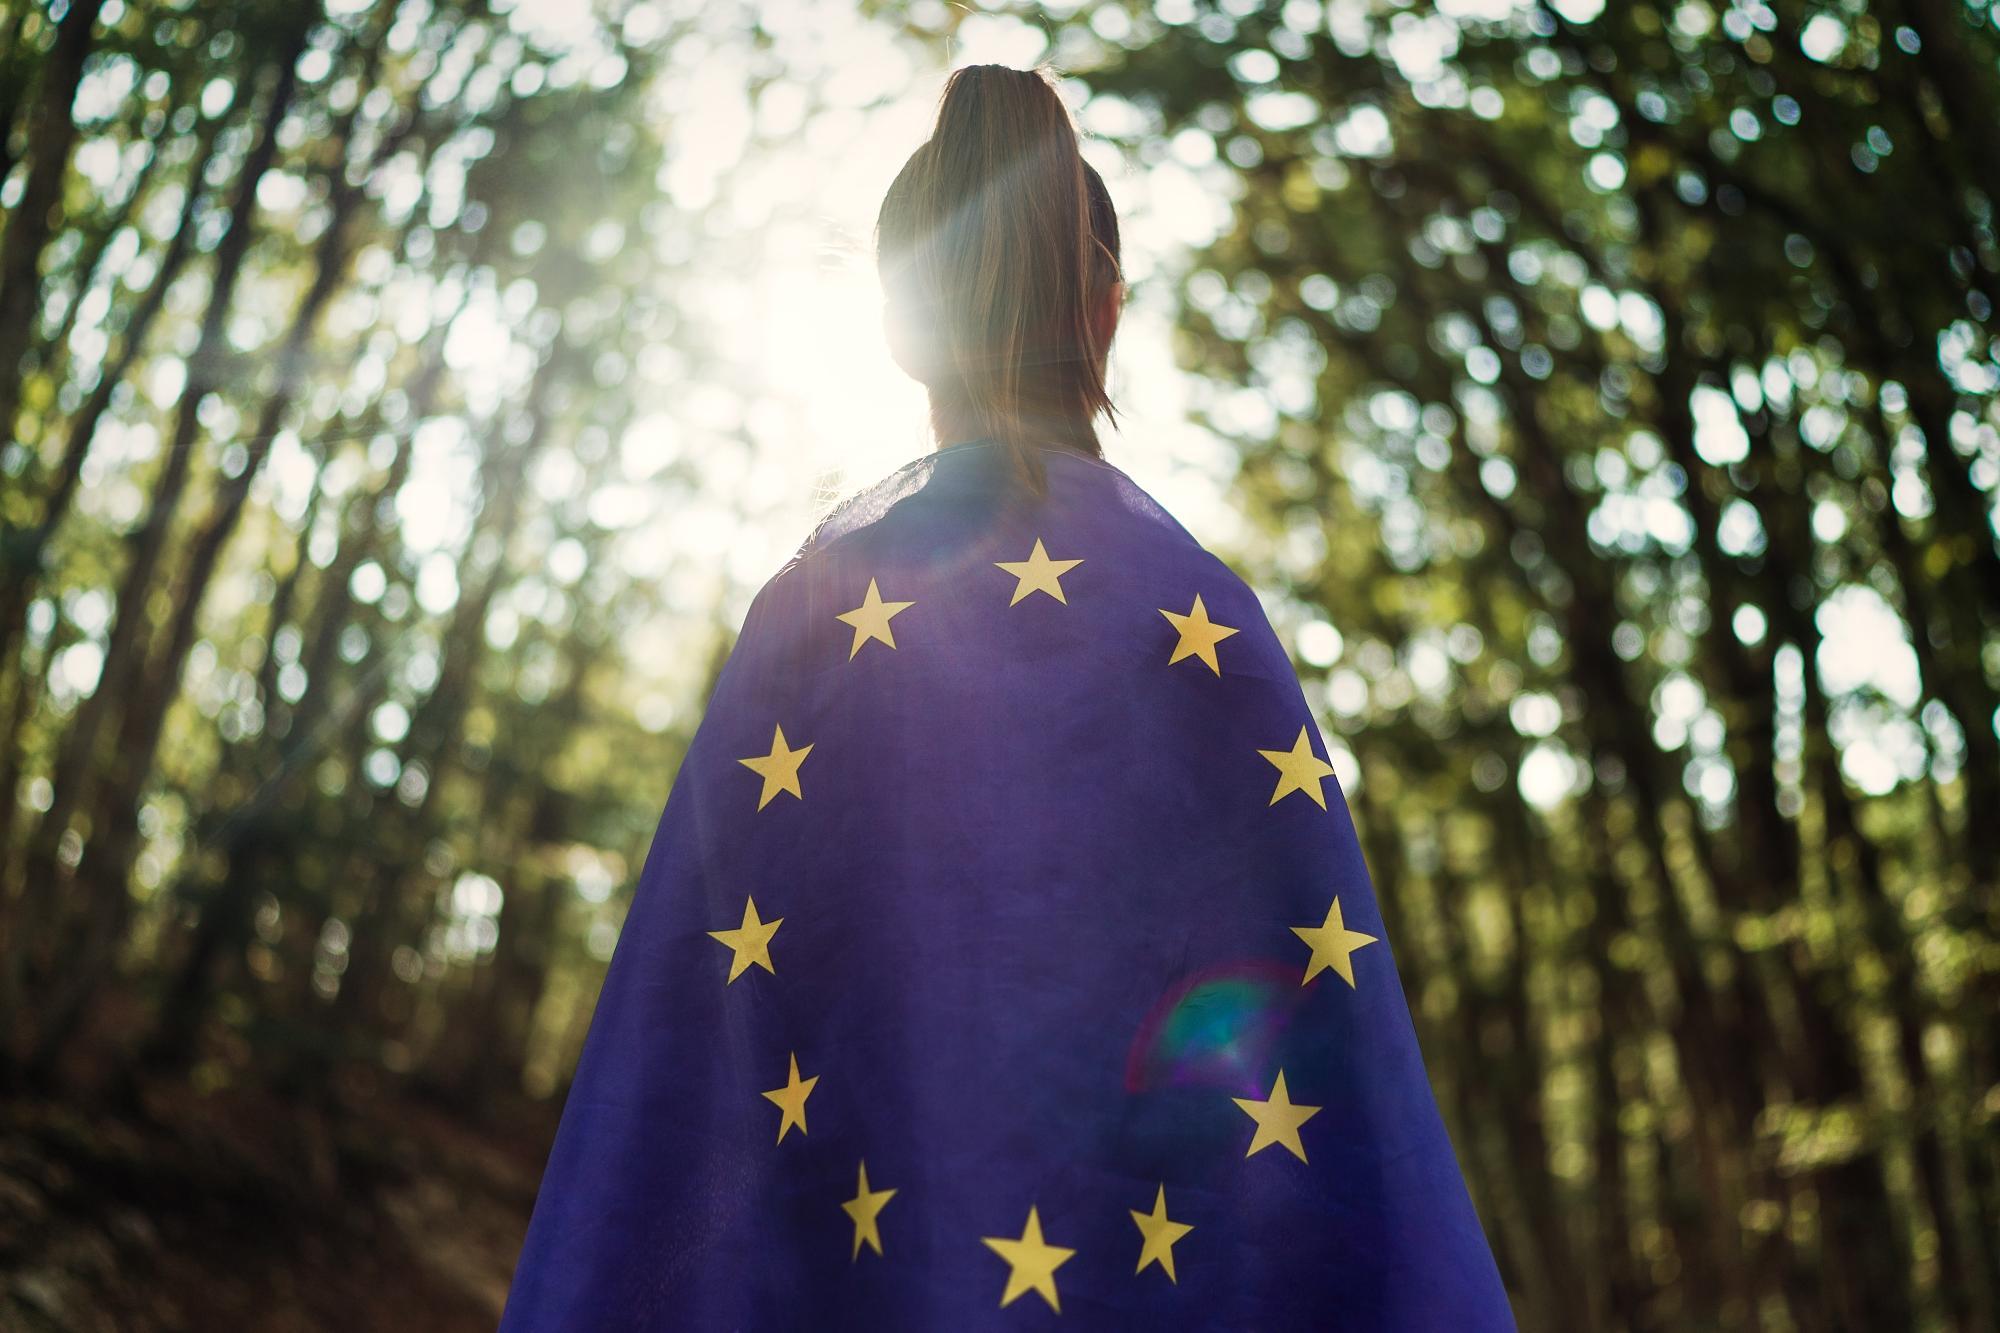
[{"x": 1032, "y": 1260}]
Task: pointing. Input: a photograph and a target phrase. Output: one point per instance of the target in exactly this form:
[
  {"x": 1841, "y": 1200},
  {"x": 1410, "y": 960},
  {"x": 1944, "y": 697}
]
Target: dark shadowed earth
[{"x": 235, "y": 1210}]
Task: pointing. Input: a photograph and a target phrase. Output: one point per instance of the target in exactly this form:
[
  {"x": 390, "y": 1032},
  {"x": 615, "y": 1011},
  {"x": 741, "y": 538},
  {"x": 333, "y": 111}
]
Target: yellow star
[
  {"x": 1199, "y": 635},
  {"x": 1032, "y": 1264},
  {"x": 791, "y": 1099},
  {"x": 779, "y": 769},
  {"x": 1299, "y": 769},
  {"x": 1278, "y": 1119},
  {"x": 1333, "y": 945},
  {"x": 751, "y": 941},
  {"x": 1160, "y": 1233},
  {"x": 1038, "y": 573},
  {"x": 863, "y": 1208},
  {"x": 871, "y": 619}
]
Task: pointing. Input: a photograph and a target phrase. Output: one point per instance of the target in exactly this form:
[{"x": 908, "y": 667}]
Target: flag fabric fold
[{"x": 1005, "y": 957}]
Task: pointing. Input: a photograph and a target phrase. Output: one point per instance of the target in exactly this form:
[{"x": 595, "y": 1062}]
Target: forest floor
[{"x": 236, "y": 1210}]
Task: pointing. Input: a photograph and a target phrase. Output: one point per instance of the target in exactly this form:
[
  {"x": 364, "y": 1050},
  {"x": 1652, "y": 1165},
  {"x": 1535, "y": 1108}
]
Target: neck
[{"x": 952, "y": 423}]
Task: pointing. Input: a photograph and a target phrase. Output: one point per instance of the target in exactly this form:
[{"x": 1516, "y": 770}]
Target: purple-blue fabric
[{"x": 1037, "y": 913}]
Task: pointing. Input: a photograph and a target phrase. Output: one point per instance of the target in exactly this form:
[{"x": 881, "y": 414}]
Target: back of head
[{"x": 998, "y": 249}]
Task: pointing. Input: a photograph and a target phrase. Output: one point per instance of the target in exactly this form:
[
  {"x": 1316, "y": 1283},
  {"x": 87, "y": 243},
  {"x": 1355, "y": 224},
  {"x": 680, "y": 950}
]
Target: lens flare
[{"x": 1214, "y": 1030}]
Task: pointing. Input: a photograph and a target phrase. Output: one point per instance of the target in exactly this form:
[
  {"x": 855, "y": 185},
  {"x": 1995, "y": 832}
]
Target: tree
[{"x": 1599, "y": 372}]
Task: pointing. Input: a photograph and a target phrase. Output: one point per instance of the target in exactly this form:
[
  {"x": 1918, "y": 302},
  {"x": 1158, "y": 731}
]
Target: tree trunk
[
  {"x": 23, "y": 550},
  {"x": 51, "y": 134},
  {"x": 77, "y": 760}
]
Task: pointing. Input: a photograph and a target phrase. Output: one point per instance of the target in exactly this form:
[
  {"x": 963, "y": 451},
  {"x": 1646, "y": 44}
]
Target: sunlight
[
  {"x": 850, "y": 415},
  {"x": 831, "y": 405},
  {"x": 797, "y": 402}
]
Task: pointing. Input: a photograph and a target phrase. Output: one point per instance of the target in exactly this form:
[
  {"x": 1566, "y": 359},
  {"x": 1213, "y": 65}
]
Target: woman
[{"x": 1005, "y": 953}]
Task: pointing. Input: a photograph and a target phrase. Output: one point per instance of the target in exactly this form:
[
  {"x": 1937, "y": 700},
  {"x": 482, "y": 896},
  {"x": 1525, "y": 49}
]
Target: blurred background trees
[{"x": 1604, "y": 396}]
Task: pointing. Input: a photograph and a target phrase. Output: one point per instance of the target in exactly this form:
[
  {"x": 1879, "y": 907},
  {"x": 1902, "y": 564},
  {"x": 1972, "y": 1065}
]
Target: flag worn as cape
[{"x": 1005, "y": 958}]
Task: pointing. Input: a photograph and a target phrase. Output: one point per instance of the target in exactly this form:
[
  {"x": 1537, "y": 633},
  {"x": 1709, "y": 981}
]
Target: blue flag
[{"x": 1005, "y": 957}]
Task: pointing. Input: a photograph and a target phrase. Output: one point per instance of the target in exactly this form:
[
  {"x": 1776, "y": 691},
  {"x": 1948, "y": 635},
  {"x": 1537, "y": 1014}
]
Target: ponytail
[{"x": 997, "y": 244}]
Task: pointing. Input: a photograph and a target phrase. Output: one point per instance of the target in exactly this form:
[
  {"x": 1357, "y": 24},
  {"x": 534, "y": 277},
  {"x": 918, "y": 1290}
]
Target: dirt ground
[{"x": 240, "y": 1211}]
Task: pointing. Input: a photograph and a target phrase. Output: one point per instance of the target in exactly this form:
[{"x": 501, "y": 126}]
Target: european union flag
[{"x": 1005, "y": 958}]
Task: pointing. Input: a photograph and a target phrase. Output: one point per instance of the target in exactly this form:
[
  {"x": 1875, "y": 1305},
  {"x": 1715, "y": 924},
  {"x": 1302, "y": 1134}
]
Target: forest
[{"x": 1603, "y": 396}]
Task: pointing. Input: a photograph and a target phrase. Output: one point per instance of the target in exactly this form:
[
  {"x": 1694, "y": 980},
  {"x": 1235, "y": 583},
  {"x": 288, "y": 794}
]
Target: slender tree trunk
[
  {"x": 106, "y": 867},
  {"x": 291, "y": 734},
  {"x": 88, "y": 265},
  {"x": 15, "y": 82},
  {"x": 1970, "y": 92},
  {"x": 78, "y": 761},
  {"x": 23, "y": 551},
  {"x": 388, "y": 917},
  {"x": 51, "y": 135}
]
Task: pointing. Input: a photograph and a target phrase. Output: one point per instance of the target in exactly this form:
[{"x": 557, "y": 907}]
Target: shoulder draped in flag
[{"x": 1005, "y": 957}]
